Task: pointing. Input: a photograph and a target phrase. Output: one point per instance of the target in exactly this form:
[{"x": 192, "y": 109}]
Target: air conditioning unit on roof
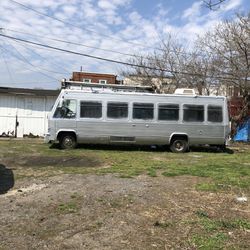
[{"x": 185, "y": 91}]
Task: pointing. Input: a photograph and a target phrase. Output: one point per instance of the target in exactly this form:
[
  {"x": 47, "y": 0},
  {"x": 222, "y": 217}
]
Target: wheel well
[
  {"x": 62, "y": 133},
  {"x": 179, "y": 137}
]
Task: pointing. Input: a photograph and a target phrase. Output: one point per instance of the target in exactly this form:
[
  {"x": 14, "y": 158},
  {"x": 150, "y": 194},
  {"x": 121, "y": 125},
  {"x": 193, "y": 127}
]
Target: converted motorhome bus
[{"x": 96, "y": 115}]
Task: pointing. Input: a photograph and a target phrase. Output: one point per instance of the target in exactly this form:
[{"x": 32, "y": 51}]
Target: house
[
  {"x": 165, "y": 83},
  {"x": 23, "y": 112},
  {"x": 88, "y": 77}
]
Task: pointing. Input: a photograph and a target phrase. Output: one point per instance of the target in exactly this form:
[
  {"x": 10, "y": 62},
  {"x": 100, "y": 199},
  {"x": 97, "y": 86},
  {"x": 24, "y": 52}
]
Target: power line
[
  {"x": 27, "y": 61},
  {"x": 24, "y": 60},
  {"x": 78, "y": 53},
  {"x": 83, "y": 45},
  {"x": 79, "y": 27},
  {"x": 93, "y": 47},
  {"x": 102, "y": 49},
  {"x": 113, "y": 61},
  {"x": 50, "y": 71},
  {"x": 6, "y": 65},
  {"x": 69, "y": 42}
]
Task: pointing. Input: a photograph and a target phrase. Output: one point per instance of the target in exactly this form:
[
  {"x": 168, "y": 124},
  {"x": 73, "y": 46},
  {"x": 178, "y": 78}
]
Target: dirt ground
[{"x": 75, "y": 211}]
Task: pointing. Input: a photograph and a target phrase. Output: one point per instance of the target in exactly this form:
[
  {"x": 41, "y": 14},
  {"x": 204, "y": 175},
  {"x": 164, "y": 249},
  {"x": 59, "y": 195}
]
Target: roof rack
[{"x": 113, "y": 87}]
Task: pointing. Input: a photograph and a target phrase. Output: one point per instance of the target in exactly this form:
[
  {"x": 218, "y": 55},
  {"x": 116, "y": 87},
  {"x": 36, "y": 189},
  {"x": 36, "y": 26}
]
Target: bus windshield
[{"x": 66, "y": 109}]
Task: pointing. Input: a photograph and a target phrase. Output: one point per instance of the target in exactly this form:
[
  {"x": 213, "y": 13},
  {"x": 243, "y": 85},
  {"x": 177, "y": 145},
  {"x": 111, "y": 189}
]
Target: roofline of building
[
  {"x": 31, "y": 92},
  {"x": 152, "y": 76},
  {"x": 96, "y": 73}
]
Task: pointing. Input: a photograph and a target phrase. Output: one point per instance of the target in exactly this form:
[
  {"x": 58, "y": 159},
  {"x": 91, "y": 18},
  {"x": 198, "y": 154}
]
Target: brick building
[{"x": 87, "y": 77}]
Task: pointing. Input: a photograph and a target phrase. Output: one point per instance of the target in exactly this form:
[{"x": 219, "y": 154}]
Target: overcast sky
[{"x": 125, "y": 26}]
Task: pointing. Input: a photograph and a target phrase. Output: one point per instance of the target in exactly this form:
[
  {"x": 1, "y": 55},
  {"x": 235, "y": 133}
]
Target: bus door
[{"x": 65, "y": 115}]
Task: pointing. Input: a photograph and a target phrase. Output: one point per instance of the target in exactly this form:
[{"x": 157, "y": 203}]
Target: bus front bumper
[{"x": 48, "y": 138}]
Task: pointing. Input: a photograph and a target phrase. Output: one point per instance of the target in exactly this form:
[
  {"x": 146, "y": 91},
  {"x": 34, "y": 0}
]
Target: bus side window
[
  {"x": 193, "y": 113},
  {"x": 214, "y": 113},
  {"x": 168, "y": 112},
  {"x": 117, "y": 110},
  {"x": 66, "y": 110},
  {"x": 91, "y": 109},
  {"x": 143, "y": 111}
]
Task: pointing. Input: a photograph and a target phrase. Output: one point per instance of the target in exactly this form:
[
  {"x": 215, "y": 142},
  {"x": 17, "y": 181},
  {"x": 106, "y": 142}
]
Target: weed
[
  {"x": 213, "y": 225},
  {"x": 162, "y": 224},
  {"x": 235, "y": 224},
  {"x": 67, "y": 208},
  {"x": 99, "y": 223},
  {"x": 202, "y": 214},
  {"x": 204, "y": 186},
  {"x": 74, "y": 196},
  {"x": 207, "y": 242},
  {"x": 152, "y": 172}
]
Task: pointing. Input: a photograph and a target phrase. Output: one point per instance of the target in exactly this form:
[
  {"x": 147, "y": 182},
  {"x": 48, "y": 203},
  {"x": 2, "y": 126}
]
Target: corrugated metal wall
[{"x": 29, "y": 112}]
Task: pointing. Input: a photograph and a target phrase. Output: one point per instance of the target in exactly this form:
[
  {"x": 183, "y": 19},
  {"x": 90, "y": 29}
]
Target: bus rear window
[{"x": 214, "y": 113}]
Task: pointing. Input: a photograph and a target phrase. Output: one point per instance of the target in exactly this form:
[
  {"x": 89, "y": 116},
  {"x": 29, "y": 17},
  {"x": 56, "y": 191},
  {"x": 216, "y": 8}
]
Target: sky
[{"x": 113, "y": 29}]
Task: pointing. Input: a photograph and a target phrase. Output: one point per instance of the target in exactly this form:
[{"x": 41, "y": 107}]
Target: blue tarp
[{"x": 243, "y": 132}]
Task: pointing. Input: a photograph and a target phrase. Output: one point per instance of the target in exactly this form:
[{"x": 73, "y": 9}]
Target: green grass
[
  {"x": 213, "y": 233},
  {"x": 215, "y": 241},
  {"x": 67, "y": 208},
  {"x": 222, "y": 171}
]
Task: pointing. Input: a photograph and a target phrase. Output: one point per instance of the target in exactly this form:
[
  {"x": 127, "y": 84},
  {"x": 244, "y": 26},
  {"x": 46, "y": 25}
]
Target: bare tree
[
  {"x": 229, "y": 43},
  {"x": 160, "y": 69},
  {"x": 201, "y": 71},
  {"x": 213, "y": 4}
]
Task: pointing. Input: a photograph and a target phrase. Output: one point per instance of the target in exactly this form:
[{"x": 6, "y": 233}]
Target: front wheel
[
  {"x": 67, "y": 141},
  {"x": 179, "y": 146}
]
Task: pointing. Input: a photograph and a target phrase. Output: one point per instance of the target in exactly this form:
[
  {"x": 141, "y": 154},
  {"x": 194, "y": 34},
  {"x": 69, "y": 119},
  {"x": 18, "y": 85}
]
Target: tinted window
[
  {"x": 117, "y": 110},
  {"x": 91, "y": 109},
  {"x": 214, "y": 114},
  {"x": 193, "y": 113},
  {"x": 168, "y": 112},
  {"x": 143, "y": 111}
]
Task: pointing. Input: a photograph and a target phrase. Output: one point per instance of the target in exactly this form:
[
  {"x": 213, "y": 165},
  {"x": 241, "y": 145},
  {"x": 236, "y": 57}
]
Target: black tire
[
  {"x": 67, "y": 141},
  {"x": 179, "y": 146}
]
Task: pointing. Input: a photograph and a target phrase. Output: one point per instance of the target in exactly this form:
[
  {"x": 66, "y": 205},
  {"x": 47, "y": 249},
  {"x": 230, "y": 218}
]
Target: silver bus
[{"x": 94, "y": 116}]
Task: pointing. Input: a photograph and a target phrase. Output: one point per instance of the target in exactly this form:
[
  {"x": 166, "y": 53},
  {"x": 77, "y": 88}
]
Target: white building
[{"x": 23, "y": 112}]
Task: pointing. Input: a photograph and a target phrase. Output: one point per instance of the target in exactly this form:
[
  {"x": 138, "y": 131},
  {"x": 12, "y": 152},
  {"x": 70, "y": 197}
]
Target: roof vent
[{"x": 184, "y": 92}]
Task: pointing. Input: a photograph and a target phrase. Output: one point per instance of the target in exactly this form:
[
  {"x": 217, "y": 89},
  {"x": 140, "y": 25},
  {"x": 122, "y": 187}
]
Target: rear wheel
[
  {"x": 67, "y": 141},
  {"x": 179, "y": 145}
]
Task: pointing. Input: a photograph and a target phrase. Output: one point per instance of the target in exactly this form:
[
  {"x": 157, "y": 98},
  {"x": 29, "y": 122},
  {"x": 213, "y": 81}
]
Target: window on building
[
  {"x": 117, "y": 110},
  {"x": 168, "y": 112},
  {"x": 66, "y": 109},
  {"x": 103, "y": 81},
  {"x": 144, "y": 111},
  {"x": 86, "y": 80},
  {"x": 90, "y": 109},
  {"x": 193, "y": 113},
  {"x": 214, "y": 113}
]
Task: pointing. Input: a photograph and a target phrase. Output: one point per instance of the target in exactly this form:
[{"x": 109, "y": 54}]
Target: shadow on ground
[
  {"x": 6, "y": 179},
  {"x": 151, "y": 148}
]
